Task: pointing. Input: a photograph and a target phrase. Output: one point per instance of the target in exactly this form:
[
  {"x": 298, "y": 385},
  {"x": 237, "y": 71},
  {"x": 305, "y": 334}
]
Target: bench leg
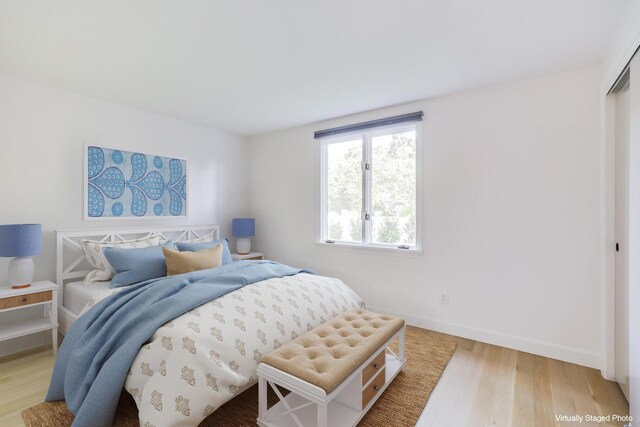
[
  {"x": 322, "y": 415},
  {"x": 401, "y": 345},
  {"x": 262, "y": 397}
]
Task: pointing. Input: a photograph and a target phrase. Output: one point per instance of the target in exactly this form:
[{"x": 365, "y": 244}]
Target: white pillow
[{"x": 93, "y": 251}]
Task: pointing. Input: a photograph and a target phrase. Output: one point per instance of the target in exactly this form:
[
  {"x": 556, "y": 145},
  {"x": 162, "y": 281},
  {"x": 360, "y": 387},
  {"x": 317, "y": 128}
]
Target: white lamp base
[
  {"x": 243, "y": 245},
  {"x": 21, "y": 272}
]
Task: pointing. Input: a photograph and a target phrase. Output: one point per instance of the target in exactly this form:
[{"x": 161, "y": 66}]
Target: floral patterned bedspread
[{"x": 202, "y": 359}]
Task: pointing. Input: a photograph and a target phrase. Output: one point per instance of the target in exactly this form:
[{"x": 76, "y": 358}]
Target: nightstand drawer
[
  {"x": 249, "y": 256},
  {"x": 28, "y": 299}
]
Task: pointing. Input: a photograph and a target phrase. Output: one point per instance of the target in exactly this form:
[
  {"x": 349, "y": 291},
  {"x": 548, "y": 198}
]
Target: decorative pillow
[
  {"x": 94, "y": 252},
  {"x": 186, "y": 262},
  {"x": 194, "y": 247},
  {"x": 137, "y": 265}
]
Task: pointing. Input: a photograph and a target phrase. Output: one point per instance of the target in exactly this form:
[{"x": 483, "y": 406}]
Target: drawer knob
[
  {"x": 24, "y": 299},
  {"x": 376, "y": 366},
  {"x": 376, "y": 387}
]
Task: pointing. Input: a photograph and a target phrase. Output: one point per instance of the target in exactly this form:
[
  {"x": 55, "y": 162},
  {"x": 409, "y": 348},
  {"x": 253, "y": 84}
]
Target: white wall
[
  {"x": 42, "y": 134},
  {"x": 511, "y": 216}
]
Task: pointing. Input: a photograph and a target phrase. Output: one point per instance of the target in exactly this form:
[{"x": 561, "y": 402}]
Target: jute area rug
[{"x": 400, "y": 405}]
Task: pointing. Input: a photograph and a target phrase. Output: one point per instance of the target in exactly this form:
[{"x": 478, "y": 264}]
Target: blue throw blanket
[{"x": 100, "y": 346}]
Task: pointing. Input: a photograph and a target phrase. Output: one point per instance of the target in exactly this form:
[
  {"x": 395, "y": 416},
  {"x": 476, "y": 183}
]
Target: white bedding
[
  {"x": 202, "y": 359},
  {"x": 78, "y": 294}
]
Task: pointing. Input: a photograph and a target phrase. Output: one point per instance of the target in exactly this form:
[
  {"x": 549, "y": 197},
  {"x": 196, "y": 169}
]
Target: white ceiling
[{"x": 252, "y": 66}]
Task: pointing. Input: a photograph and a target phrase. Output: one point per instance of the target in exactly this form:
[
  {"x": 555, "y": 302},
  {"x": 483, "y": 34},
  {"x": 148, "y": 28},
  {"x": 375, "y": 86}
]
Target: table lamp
[
  {"x": 21, "y": 241},
  {"x": 243, "y": 228}
]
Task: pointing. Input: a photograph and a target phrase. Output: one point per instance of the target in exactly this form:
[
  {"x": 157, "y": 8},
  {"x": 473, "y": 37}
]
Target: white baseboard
[
  {"x": 24, "y": 343},
  {"x": 541, "y": 348},
  {"x": 527, "y": 345}
]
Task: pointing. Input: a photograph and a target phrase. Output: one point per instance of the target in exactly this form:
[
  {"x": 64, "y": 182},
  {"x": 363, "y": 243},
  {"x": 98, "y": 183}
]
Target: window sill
[{"x": 373, "y": 249}]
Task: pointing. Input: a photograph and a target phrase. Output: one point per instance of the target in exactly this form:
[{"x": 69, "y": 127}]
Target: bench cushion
[{"x": 328, "y": 354}]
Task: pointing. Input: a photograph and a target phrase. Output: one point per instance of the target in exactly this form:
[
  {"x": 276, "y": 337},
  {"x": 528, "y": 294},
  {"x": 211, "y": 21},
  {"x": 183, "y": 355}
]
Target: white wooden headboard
[{"x": 70, "y": 260}]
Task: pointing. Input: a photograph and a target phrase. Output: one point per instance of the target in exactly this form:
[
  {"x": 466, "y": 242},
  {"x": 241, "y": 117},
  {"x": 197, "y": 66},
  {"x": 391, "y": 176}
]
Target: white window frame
[{"x": 366, "y": 137}]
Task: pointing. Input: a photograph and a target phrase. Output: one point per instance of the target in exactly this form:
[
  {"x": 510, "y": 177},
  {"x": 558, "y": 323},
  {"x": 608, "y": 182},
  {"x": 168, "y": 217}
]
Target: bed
[
  {"x": 78, "y": 294},
  {"x": 72, "y": 267},
  {"x": 201, "y": 359}
]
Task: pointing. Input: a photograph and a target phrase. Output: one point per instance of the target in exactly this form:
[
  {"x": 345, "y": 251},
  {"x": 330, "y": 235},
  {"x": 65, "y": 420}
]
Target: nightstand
[
  {"x": 44, "y": 293},
  {"x": 250, "y": 255}
]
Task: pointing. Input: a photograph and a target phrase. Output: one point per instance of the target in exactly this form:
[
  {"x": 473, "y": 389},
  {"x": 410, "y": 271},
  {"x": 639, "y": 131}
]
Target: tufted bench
[{"x": 341, "y": 366}]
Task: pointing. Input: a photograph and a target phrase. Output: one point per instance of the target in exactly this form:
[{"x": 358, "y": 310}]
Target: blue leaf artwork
[{"x": 123, "y": 184}]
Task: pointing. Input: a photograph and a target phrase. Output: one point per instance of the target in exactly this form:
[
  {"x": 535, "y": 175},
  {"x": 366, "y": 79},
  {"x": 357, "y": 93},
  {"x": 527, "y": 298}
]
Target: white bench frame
[{"x": 287, "y": 412}]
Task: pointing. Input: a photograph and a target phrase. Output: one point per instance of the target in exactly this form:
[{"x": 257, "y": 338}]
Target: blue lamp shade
[
  {"x": 244, "y": 227},
  {"x": 20, "y": 240}
]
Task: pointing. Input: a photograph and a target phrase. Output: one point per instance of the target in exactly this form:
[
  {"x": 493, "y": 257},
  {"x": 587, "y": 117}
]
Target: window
[{"x": 370, "y": 187}]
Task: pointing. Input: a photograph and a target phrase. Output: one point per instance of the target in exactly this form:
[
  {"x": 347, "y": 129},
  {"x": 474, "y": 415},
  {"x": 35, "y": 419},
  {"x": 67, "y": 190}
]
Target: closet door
[
  {"x": 634, "y": 239},
  {"x": 622, "y": 237}
]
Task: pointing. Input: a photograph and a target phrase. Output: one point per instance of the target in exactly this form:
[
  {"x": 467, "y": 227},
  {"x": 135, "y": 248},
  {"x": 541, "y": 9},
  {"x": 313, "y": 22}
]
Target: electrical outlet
[{"x": 444, "y": 298}]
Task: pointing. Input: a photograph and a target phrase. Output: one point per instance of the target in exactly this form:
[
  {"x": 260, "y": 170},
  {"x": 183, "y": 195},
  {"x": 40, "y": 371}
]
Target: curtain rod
[{"x": 403, "y": 118}]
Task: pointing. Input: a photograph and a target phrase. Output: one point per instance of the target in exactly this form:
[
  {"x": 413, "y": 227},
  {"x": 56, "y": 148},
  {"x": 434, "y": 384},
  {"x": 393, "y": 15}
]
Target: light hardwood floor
[
  {"x": 486, "y": 385},
  {"x": 483, "y": 385},
  {"x": 23, "y": 382}
]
